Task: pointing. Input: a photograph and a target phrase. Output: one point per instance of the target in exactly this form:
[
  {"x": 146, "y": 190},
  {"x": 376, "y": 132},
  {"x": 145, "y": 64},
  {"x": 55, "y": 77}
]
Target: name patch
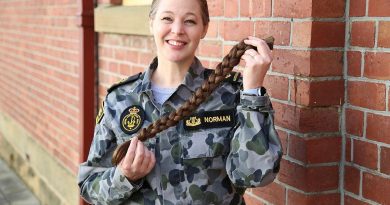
[{"x": 210, "y": 119}]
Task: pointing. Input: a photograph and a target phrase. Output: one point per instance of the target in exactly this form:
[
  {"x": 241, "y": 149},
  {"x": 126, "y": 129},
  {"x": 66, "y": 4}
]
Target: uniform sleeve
[
  {"x": 99, "y": 181},
  {"x": 255, "y": 150}
]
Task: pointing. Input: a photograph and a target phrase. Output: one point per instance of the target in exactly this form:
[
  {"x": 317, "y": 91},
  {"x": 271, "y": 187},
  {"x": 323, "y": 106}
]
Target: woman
[{"x": 211, "y": 157}]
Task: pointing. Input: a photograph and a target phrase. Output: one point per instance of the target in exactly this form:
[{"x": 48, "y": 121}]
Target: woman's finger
[
  {"x": 145, "y": 161},
  {"x": 152, "y": 162},
  {"x": 139, "y": 155},
  {"x": 130, "y": 154}
]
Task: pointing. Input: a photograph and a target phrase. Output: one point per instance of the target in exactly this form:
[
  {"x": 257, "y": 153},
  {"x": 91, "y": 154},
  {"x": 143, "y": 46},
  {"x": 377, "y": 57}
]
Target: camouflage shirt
[{"x": 211, "y": 157}]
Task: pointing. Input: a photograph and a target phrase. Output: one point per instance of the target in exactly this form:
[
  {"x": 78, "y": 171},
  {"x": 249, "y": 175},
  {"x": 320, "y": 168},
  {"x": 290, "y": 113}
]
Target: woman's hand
[
  {"x": 257, "y": 63},
  {"x": 138, "y": 162}
]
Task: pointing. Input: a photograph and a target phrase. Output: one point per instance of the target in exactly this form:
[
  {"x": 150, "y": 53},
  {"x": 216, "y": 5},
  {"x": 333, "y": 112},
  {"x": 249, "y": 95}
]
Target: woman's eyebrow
[{"x": 186, "y": 14}]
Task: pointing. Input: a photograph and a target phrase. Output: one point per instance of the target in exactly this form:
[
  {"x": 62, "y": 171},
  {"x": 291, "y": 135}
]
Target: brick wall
[
  {"x": 39, "y": 66},
  {"x": 367, "y": 116},
  {"x": 305, "y": 82}
]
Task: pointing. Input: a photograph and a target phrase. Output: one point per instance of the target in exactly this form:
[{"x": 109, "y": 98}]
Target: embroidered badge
[
  {"x": 132, "y": 119},
  {"x": 100, "y": 114},
  {"x": 210, "y": 119}
]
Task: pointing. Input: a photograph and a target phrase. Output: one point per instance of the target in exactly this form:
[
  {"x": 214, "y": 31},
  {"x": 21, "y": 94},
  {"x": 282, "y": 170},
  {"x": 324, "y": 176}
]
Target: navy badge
[
  {"x": 132, "y": 119},
  {"x": 100, "y": 114}
]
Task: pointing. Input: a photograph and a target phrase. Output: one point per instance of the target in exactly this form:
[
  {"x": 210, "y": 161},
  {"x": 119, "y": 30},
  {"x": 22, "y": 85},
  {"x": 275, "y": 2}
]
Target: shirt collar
[{"x": 192, "y": 80}]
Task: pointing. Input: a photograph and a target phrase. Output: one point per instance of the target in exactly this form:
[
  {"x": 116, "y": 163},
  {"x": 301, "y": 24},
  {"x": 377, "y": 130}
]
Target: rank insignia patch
[
  {"x": 100, "y": 114},
  {"x": 132, "y": 119}
]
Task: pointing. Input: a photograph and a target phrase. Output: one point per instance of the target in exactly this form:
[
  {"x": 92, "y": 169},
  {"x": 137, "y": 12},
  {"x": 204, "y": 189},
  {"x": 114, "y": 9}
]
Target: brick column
[
  {"x": 367, "y": 128},
  {"x": 307, "y": 87}
]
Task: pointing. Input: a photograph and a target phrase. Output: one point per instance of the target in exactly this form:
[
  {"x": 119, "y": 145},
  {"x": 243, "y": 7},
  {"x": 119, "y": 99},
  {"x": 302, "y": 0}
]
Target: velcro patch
[
  {"x": 210, "y": 119},
  {"x": 132, "y": 119}
]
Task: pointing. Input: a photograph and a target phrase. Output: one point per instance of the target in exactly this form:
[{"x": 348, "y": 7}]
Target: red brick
[
  {"x": 318, "y": 34},
  {"x": 378, "y": 128},
  {"x": 277, "y": 86},
  {"x": 301, "y": 34},
  {"x": 354, "y": 59},
  {"x": 296, "y": 198},
  {"x": 308, "y": 63},
  {"x": 312, "y": 150},
  {"x": 328, "y": 9},
  {"x": 379, "y": 8},
  {"x": 348, "y": 147},
  {"x": 367, "y": 95},
  {"x": 249, "y": 200},
  {"x": 363, "y": 34},
  {"x": 357, "y": 8},
  {"x": 261, "y": 8},
  {"x": 352, "y": 201},
  {"x": 242, "y": 29},
  {"x": 365, "y": 154},
  {"x": 273, "y": 192},
  {"x": 376, "y": 188},
  {"x": 211, "y": 48},
  {"x": 306, "y": 119},
  {"x": 385, "y": 159},
  {"x": 283, "y": 136},
  {"x": 317, "y": 93},
  {"x": 354, "y": 122},
  {"x": 384, "y": 34},
  {"x": 377, "y": 66},
  {"x": 212, "y": 31},
  {"x": 293, "y": 8},
  {"x": 292, "y": 174},
  {"x": 329, "y": 176},
  {"x": 306, "y": 179},
  {"x": 278, "y": 29},
  {"x": 216, "y": 7},
  {"x": 352, "y": 179},
  {"x": 255, "y": 8},
  {"x": 231, "y": 8}
]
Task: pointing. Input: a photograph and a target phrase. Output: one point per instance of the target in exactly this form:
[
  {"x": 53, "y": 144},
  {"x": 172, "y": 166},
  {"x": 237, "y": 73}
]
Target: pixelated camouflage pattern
[{"x": 205, "y": 166}]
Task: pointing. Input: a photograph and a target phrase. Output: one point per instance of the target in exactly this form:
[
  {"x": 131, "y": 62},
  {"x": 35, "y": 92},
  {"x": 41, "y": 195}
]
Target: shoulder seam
[{"x": 123, "y": 82}]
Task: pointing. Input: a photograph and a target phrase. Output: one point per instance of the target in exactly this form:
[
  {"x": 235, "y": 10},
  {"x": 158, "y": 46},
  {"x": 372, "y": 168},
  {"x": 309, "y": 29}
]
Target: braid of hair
[{"x": 222, "y": 70}]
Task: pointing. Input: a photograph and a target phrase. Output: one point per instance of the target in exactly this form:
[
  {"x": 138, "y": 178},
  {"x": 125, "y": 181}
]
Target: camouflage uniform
[{"x": 229, "y": 144}]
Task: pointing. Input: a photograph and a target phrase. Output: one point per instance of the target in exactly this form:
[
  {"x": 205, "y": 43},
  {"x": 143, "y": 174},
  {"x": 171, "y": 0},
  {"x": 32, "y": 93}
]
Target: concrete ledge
[
  {"x": 122, "y": 19},
  {"x": 51, "y": 182}
]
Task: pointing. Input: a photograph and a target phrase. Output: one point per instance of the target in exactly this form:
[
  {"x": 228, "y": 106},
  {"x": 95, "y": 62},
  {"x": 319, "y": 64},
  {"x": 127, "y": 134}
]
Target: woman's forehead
[{"x": 179, "y": 6}]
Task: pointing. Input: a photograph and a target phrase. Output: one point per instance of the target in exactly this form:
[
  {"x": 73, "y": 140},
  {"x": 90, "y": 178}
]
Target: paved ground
[{"x": 12, "y": 190}]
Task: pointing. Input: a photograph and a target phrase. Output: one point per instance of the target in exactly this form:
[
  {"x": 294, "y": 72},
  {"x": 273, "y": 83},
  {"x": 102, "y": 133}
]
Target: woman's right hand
[{"x": 138, "y": 162}]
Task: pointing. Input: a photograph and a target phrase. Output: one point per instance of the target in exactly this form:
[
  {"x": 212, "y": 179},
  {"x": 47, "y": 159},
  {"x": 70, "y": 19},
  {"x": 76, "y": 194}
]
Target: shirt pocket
[{"x": 206, "y": 143}]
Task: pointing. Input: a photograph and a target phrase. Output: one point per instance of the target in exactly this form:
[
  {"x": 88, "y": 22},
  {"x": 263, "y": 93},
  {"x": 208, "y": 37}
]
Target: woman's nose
[{"x": 177, "y": 28}]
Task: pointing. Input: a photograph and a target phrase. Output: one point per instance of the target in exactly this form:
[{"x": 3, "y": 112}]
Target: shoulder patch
[{"x": 124, "y": 81}]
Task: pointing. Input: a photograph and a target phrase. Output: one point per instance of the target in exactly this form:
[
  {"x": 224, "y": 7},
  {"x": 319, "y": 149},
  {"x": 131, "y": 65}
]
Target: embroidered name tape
[
  {"x": 132, "y": 119},
  {"x": 210, "y": 119}
]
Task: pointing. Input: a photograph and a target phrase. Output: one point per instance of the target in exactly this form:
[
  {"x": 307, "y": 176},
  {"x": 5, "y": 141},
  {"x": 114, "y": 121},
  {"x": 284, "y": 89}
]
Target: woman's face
[{"x": 177, "y": 28}]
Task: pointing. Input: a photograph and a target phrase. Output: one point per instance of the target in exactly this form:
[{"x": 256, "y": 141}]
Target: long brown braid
[{"x": 215, "y": 78}]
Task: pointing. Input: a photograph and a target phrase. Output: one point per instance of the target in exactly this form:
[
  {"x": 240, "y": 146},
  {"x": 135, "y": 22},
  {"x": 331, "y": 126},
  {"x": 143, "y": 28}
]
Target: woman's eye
[
  {"x": 167, "y": 19},
  {"x": 192, "y": 22}
]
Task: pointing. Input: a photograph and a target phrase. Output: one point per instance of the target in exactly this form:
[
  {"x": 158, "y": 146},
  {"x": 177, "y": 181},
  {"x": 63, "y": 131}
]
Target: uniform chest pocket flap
[{"x": 206, "y": 143}]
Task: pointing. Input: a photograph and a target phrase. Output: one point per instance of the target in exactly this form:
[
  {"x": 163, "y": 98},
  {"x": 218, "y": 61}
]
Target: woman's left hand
[{"x": 257, "y": 63}]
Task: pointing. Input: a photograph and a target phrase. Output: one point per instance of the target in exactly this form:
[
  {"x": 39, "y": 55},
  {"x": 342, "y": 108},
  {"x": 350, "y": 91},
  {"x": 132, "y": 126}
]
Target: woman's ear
[{"x": 206, "y": 27}]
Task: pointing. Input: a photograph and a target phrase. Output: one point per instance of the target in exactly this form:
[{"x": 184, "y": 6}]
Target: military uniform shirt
[{"x": 211, "y": 157}]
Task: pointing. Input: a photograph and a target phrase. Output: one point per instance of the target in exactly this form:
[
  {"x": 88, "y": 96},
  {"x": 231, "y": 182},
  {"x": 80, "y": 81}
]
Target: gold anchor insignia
[
  {"x": 132, "y": 120},
  {"x": 193, "y": 121}
]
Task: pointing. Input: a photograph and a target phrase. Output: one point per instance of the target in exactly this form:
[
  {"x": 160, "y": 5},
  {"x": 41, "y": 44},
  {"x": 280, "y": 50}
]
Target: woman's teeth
[{"x": 175, "y": 43}]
